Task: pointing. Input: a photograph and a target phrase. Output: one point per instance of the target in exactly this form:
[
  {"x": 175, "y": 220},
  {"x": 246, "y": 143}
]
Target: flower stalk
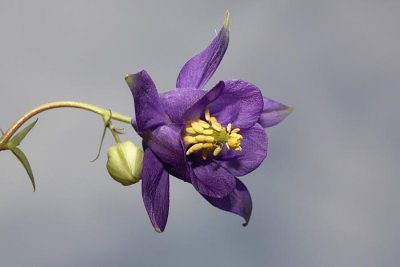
[{"x": 105, "y": 113}]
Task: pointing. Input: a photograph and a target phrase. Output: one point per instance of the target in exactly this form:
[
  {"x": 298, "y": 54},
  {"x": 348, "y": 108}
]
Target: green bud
[{"x": 125, "y": 161}]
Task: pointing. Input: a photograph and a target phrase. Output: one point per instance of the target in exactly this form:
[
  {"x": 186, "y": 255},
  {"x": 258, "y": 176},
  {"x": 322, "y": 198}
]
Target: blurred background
[{"x": 328, "y": 193}]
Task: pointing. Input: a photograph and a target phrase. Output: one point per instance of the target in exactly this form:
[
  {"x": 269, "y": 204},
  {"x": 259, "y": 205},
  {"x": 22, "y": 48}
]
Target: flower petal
[
  {"x": 149, "y": 112},
  {"x": 199, "y": 69},
  {"x": 166, "y": 142},
  {"x": 177, "y": 101},
  {"x": 211, "y": 179},
  {"x": 238, "y": 202},
  {"x": 155, "y": 190},
  {"x": 194, "y": 112},
  {"x": 273, "y": 113},
  {"x": 254, "y": 150},
  {"x": 240, "y": 103}
]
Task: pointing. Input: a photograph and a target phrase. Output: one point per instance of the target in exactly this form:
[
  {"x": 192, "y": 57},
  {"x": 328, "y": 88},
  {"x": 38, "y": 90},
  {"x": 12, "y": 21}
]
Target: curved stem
[{"x": 105, "y": 113}]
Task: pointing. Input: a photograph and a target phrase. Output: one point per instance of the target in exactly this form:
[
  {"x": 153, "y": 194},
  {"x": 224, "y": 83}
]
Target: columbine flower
[{"x": 206, "y": 138}]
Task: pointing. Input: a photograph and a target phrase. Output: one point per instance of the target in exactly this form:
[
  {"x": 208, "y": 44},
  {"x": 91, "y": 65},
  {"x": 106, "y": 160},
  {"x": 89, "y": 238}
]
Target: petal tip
[
  {"x": 247, "y": 218},
  {"x": 227, "y": 19},
  {"x": 158, "y": 230},
  {"x": 138, "y": 79},
  {"x": 129, "y": 79},
  {"x": 273, "y": 113}
]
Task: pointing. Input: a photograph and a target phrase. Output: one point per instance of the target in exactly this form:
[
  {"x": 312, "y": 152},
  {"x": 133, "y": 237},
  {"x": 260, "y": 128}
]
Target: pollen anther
[
  {"x": 196, "y": 126},
  {"x": 203, "y": 124},
  {"x": 207, "y": 115},
  {"x": 216, "y": 151},
  {"x": 208, "y": 131},
  {"x": 190, "y": 130},
  {"x": 229, "y": 127}
]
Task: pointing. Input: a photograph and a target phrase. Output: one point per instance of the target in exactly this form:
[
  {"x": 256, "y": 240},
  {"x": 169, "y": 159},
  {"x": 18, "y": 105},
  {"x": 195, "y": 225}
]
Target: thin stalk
[{"x": 105, "y": 113}]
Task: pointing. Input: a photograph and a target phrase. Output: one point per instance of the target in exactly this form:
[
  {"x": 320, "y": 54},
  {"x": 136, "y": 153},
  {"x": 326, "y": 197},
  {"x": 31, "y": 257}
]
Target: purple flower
[{"x": 206, "y": 138}]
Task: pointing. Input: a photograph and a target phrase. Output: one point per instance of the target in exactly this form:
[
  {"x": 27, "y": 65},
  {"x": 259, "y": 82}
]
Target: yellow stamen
[
  {"x": 194, "y": 148},
  {"x": 210, "y": 139},
  {"x": 215, "y": 124},
  {"x": 203, "y": 138},
  {"x": 216, "y": 151},
  {"x": 209, "y": 136},
  {"x": 203, "y": 124},
  {"x": 190, "y": 130},
  {"x": 200, "y": 138},
  {"x": 208, "y": 131},
  {"x": 229, "y": 127},
  {"x": 189, "y": 139},
  {"x": 196, "y": 126},
  {"x": 207, "y": 145},
  {"x": 207, "y": 115}
]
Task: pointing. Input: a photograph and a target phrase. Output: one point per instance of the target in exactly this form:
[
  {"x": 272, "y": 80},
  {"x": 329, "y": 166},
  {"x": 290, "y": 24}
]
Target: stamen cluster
[{"x": 209, "y": 136}]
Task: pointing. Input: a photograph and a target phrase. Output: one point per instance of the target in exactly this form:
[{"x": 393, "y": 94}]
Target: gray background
[{"x": 327, "y": 195}]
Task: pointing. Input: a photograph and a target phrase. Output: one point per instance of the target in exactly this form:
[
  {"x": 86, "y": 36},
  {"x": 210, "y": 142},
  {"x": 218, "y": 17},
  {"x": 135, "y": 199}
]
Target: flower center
[{"x": 209, "y": 136}]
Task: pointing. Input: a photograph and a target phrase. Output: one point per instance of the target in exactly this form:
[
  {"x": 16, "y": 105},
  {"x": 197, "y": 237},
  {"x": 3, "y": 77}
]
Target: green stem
[
  {"x": 116, "y": 137},
  {"x": 105, "y": 113}
]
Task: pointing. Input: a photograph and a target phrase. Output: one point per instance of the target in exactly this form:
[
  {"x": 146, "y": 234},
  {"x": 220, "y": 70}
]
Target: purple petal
[
  {"x": 166, "y": 142},
  {"x": 198, "y": 108},
  {"x": 254, "y": 150},
  {"x": 211, "y": 179},
  {"x": 240, "y": 103},
  {"x": 155, "y": 190},
  {"x": 176, "y": 102},
  {"x": 149, "y": 112},
  {"x": 273, "y": 113},
  {"x": 238, "y": 202},
  {"x": 199, "y": 69}
]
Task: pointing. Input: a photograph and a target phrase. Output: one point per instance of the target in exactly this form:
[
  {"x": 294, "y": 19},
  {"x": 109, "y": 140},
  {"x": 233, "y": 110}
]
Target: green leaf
[
  {"x": 17, "y": 139},
  {"x": 24, "y": 160}
]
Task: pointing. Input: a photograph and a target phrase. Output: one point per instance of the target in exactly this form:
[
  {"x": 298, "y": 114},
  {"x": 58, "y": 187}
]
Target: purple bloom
[{"x": 206, "y": 138}]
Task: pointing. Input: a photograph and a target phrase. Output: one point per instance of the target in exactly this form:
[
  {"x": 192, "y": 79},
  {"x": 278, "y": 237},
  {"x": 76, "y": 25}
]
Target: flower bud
[{"x": 125, "y": 161}]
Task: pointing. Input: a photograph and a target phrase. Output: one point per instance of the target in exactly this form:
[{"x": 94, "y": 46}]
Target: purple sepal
[
  {"x": 148, "y": 110},
  {"x": 238, "y": 202},
  {"x": 199, "y": 69},
  {"x": 273, "y": 113},
  {"x": 155, "y": 190}
]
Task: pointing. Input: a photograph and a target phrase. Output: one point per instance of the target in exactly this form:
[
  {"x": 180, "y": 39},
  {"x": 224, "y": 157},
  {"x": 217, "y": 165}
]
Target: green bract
[{"x": 125, "y": 161}]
